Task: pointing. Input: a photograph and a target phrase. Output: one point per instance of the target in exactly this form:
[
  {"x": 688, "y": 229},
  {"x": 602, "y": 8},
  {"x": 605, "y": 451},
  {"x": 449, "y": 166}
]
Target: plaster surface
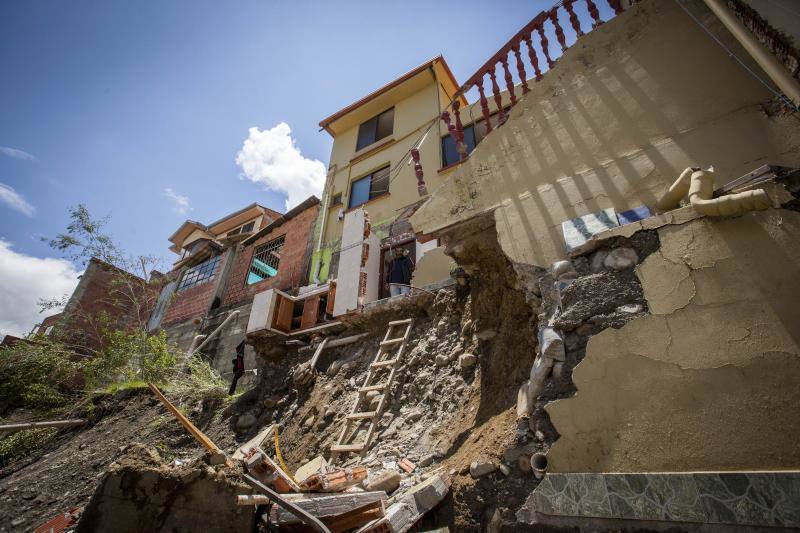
[{"x": 708, "y": 381}]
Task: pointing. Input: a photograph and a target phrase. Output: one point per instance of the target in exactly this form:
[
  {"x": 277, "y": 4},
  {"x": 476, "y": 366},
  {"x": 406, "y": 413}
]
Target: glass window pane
[
  {"x": 380, "y": 183},
  {"x": 359, "y": 192},
  {"x": 449, "y": 153},
  {"x": 266, "y": 259},
  {"x": 366, "y": 133},
  {"x": 385, "y": 124}
]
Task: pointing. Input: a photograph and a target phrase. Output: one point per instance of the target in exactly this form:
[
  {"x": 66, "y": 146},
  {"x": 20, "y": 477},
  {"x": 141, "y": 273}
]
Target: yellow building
[{"x": 370, "y": 165}]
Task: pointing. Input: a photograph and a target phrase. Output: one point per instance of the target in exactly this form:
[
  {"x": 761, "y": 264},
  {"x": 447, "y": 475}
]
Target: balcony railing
[{"x": 547, "y": 22}]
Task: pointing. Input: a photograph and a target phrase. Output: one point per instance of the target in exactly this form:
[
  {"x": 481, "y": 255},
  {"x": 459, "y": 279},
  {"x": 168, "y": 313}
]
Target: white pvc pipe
[{"x": 788, "y": 85}]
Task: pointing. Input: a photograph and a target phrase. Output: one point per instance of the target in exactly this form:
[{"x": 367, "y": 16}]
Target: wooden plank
[
  {"x": 310, "y": 468},
  {"x": 310, "y": 312},
  {"x": 283, "y": 318},
  {"x": 324, "y": 506},
  {"x": 191, "y": 428},
  {"x": 356, "y": 518},
  {"x": 268, "y": 472},
  {"x": 331, "y": 298},
  {"x": 401, "y": 322},
  {"x": 255, "y": 442},
  {"x": 281, "y": 501},
  {"x": 45, "y": 424}
]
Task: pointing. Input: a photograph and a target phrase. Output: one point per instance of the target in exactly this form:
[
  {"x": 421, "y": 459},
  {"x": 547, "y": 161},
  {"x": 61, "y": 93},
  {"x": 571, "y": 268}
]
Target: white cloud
[
  {"x": 16, "y": 154},
  {"x": 15, "y": 201},
  {"x": 181, "y": 202},
  {"x": 271, "y": 157},
  {"x": 24, "y": 280}
]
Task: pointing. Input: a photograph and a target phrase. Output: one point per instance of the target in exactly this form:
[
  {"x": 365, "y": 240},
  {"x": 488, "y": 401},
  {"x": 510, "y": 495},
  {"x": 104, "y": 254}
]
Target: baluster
[
  {"x": 544, "y": 43},
  {"x": 461, "y": 147},
  {"x": 559, "y": 30},
  {"x": 487, "y": 117},
  {"x": 501, "y": 116},
  {"x": 421, "y": 188},
  {"x": 573, "y": 17},
  {"x": 533, "y": 57},
  {"x": 451, "y": 128},
  {"x": 593, "y": 11},
  {"x": 520, "y": 68},
  {"x": 509, "y": 79},
  {"x": 616, "y": 5}
]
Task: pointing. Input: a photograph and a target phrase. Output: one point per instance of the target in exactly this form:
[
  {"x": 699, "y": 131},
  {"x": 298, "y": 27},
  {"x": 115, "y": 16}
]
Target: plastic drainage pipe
[
  {"x": 699, "y": 186},
  {"x": 539, "y": 464},
  {"x": 215, "y": 332}
]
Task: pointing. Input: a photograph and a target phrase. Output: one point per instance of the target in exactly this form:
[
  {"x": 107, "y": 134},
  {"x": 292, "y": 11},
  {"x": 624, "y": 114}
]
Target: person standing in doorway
[
  {"x": 238, "y": 367},
  {"x": 400, "y": 270}
]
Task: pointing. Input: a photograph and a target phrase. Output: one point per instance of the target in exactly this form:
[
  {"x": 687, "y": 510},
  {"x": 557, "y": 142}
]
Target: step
[
  {"x": 359, "y": 416},
  {"x": 347, "y": 447},
  {"x": 391, "y": 342},
  {"x": 370, "y": 388},
  {"x": 400, "y": 322},
  {"x": 380, "y": 364}
]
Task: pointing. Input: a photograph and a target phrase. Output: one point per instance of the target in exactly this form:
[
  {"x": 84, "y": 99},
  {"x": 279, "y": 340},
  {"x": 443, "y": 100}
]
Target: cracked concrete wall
[
  {"x": 614, "y": 122},
  {"x": 709, "y": 380}
]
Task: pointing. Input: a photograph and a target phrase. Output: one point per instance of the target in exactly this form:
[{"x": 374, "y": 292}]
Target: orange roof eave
[{"x": 325, "y": 123}]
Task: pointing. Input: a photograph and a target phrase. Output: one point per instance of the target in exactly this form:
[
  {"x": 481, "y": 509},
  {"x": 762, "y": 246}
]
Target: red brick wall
[
  {"x": 194, "y": 301},
  {"x": 292, "y": 270}
]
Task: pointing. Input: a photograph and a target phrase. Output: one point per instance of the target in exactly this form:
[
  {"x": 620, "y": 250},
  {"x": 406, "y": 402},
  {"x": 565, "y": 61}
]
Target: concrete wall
[
  {"x": 613, "y": 123},
  {"x": 709, "y": 380}
]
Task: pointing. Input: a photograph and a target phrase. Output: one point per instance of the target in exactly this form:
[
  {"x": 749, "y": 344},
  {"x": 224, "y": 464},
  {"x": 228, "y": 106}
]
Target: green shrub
[
  {"x": 23, "y": 443},
  {"x": 42, "y": 374}
]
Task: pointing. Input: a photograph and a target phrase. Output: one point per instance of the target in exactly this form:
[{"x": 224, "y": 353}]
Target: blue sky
[{"x": 116, "y": 102}]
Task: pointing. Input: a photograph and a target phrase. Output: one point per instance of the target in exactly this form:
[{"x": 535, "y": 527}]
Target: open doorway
[{"x": 387, "y": 254}]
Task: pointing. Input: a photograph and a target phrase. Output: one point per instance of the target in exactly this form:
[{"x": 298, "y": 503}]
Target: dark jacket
[{"x": 400, "y": 270}]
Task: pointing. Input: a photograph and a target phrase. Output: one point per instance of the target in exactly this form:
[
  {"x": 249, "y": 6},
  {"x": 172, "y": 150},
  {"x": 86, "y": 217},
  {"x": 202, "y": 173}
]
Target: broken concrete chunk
[
  {"x": 409, "y": 507},
  {"x": 467, "y": 360},
  {"x": 481, "y": 468},
  {"x": 442, "y": 360},
  {"x": 621, "y": 258},
  {"x": 385, "y": 480},
  {"x": 551, "y": 344},
  {"x": 563, "y": 270},
  {"x": 330, "y": 507},
  {"x": 315, "y": 465},
  {"x": 245, "y": 422}
]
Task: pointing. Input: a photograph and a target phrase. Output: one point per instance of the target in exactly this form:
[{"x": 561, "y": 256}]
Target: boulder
[
  {"x": 386, "y": 480},
  {"x": 467, "y": 360},
  {"x": 245, "y": 422},
  {"x": 621, "y": 258},
  {"x": 481, "y": 468},
  {"x": 442, "y": 360}
]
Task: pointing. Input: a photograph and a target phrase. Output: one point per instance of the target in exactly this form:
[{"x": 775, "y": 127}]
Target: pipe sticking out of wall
[
  {"x": 214, "y": 333},
  {"x": 699, "y": 186},
  {"x": 539, "y": 464}
]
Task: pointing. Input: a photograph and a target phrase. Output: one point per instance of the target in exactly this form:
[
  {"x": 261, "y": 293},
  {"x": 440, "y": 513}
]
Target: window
[
  {"x": 48, "y": 330},
  {"x": 336, "y": 199},
  {"x": 449, "y": 153},
  {"x": 247, "y": 228},
  {"x": 199, "y": 274},
  {"x": 266, "y": 258},
  {"x": 375, "y": 129},
  {"x": 365, "y": 189}
]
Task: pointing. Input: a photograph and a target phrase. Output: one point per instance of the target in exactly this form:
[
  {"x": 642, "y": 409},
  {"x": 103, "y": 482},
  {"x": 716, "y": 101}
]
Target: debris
[
  {"x": 505, "y": 470},
  {"x": 621, "y": 258},
  {"x": 335, "y": 481},
  {"x": 551, "y": 344},
  {"x": 47, "y": 424},
  {"x": 58, "y": 524},
  {"x": 386, "y": 480},
  {"x": 245, "y": 422},
  {"x": 337, "y": 511},
  {"x": 300, "y": 513},
  {"x": 481, "y": 468},
  {"x": 467, "y": 360},
  {"x": 442, "y": 360},
  {"x": 266, "y": 471},
  {"x": 315, "y": 465},
  {"x": 256, "y": 442},
  {"x": 409, "y": 507},
  {"x": 406, "y": 465}
]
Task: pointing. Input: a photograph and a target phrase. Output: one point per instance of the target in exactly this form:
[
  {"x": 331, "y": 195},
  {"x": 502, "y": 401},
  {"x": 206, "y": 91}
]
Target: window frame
[
  {"x": 367, "y": 137},
  {"x": 271, "y": 246},
  {"x": 373, "y": 194},
  {"x": 202, "y": 273}
]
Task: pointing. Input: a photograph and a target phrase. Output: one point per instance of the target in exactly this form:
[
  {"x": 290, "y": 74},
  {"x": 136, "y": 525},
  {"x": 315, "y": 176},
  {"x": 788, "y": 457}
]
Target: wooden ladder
[{"x": 381, "y": 363}]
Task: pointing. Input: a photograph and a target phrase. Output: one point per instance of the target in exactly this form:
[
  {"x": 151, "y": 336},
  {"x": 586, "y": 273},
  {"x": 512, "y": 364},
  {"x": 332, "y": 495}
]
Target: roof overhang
[
  {"x": 311, "y": 201},
  {"x": 385, "y": 97},
  {"x": 184, "y": 231},
  {"x": 238, "y": 218}
]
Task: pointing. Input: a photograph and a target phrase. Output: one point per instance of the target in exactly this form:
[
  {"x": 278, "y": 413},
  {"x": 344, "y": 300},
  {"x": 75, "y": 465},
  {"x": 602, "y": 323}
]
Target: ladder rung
[
  {"x": 372, "y": 388},
  {"x": 358, "y": 416},
  {"x": 390, "y": 342},
  {"x": 379, "y": 364},
  {"x": 347, "y": 447},
  {"x": 400, "y": 322}
]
